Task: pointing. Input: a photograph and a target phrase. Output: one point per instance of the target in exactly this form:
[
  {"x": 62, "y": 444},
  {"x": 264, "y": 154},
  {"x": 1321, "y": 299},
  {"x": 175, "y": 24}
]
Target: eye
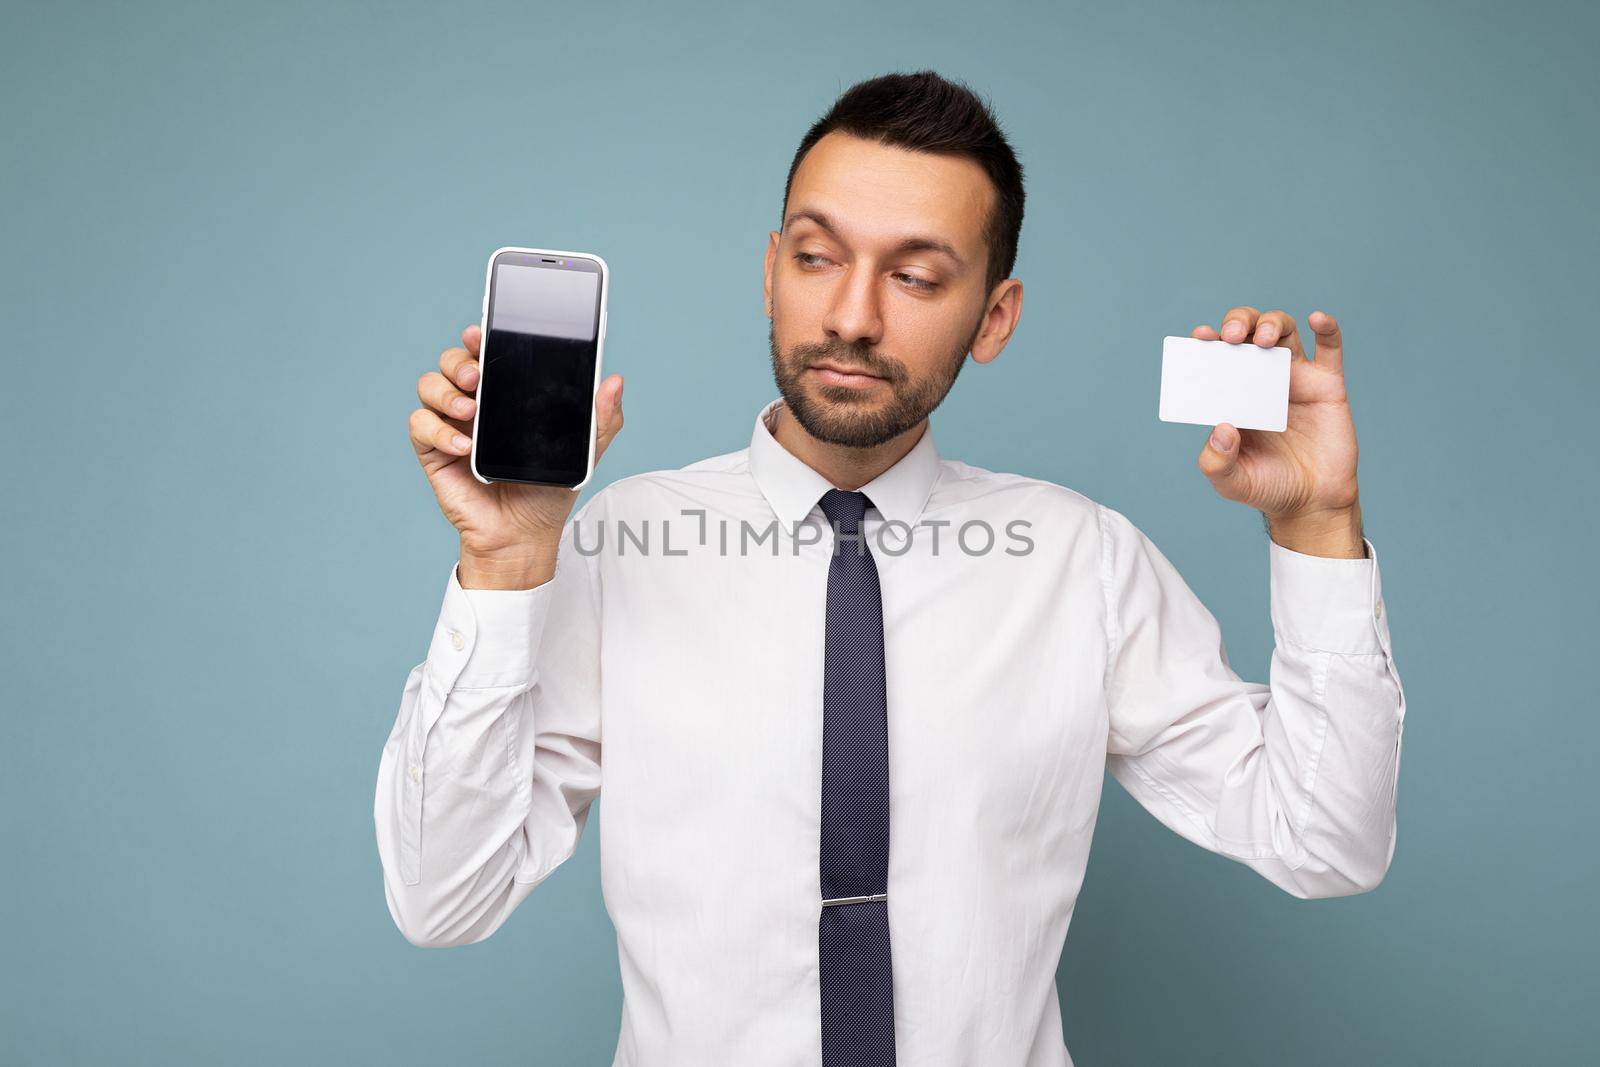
[
  {"x": 812, "y": 260},
  {"x": 919, "y": 284}
]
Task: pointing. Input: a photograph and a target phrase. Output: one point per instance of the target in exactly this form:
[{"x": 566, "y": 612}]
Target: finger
[
  {"x": 435, "y": 390},
  {"x": 1219, "y": 459},
  {"x": 430, "y": 433},
  {"x": 460, "y": 367},
  {"x": 472, "y": 337},
  {"x": 1237, "y": 324},
  {"x": 608, "y": 413},
  {"x": 1278, "y": 328},
  {"x": 1204, "y": 333},
  {"x": 1330, "y": 342}
]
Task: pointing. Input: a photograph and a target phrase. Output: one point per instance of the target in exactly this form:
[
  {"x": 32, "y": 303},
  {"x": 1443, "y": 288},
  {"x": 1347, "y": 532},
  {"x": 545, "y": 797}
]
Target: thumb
[
  {"x": 608, "y": 409},
  {"x": 1219, "y": 459}
]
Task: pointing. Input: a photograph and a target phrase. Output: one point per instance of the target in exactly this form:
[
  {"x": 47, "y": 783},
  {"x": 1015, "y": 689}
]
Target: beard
[{"x": 840, "y": 414}]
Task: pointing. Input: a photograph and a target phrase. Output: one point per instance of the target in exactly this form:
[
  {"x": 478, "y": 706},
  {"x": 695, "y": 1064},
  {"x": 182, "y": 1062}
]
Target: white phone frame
[{"x": 599, "y": 351}]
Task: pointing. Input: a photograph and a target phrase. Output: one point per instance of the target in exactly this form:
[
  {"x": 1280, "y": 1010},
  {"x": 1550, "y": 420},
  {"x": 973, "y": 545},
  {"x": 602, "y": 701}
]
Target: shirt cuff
[
  {"x": 1328, "y": 604},
  {"x": 487, "y": 637}
]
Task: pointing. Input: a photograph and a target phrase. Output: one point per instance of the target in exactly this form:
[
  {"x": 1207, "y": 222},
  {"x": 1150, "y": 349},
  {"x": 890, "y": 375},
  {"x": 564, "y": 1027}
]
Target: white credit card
[{"x": 1208, "y": 382}]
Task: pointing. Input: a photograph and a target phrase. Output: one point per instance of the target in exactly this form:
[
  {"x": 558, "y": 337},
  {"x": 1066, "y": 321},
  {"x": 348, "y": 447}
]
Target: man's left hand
[{"x": 1304, "y": 478}]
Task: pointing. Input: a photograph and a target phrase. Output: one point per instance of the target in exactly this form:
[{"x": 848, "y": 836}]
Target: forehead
[{"x": 877, "y": 192}]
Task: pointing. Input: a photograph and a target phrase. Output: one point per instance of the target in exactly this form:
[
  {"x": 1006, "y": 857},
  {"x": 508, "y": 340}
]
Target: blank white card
[{"x": 1208, "y": 382}]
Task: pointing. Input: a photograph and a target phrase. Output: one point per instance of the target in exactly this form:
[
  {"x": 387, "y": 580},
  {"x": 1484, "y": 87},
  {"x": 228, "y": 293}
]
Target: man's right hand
[{"x": 510, "y": 532}]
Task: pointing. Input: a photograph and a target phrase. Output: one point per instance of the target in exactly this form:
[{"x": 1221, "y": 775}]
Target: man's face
[{"x": 875, "y": 286}]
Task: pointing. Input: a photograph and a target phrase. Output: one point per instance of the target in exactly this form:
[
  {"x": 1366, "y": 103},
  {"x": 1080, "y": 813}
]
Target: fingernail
[
  {"x": 1233, "y": 328},
  {"x": 463, "y": 442},
  {"x": 1216, "y": 441},
  {"x": 461, "y": 405}
]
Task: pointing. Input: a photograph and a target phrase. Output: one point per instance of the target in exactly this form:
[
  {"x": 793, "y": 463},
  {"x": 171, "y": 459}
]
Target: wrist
[
  {"x": 522, "y": 568},
  {"x": 1333, "y": 532}
]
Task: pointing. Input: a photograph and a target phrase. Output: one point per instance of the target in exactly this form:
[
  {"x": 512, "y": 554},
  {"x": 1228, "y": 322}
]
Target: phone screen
[{"x": 536, "y": 398}]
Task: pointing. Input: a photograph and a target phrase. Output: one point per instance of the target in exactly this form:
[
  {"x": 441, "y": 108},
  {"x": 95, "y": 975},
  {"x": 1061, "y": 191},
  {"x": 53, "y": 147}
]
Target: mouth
[{"x": 839, "y": 374}]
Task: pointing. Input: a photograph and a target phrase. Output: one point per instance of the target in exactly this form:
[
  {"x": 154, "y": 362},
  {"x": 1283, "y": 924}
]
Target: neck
[{"x": 845, "y": 467}]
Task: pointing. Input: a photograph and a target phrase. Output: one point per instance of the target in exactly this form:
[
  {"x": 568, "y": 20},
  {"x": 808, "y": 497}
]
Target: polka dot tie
[{"x": 853, "y": 932}]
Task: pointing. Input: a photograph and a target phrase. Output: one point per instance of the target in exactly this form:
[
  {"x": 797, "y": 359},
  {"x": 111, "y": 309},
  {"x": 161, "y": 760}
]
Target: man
[{"x": 855, "y": 700}]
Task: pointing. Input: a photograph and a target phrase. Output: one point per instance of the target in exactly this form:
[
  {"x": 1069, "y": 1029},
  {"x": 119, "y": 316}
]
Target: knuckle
[{"x": 441, "y": 394}]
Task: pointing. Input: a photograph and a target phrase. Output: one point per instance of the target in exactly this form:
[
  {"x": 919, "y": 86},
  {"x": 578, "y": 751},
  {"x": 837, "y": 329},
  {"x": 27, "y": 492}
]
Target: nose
[{"x": 854, "y": 315}]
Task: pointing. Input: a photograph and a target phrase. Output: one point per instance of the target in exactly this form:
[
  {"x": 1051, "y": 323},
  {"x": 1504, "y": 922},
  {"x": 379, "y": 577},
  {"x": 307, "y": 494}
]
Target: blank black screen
[{"x": 537, "y": 394}]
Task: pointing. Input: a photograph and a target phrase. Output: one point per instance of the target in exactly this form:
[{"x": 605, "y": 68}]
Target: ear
[
  {"x": 1005, "y": 308},
  {"x": 772, "y": 258}
]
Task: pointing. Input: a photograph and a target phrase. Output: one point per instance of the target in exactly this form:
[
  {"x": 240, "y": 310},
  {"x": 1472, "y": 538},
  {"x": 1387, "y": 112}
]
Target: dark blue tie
[{"x": 853, "y": 932}]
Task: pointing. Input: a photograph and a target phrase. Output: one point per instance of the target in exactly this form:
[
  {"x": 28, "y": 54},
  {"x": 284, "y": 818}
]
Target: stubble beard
[{"x": 840, "y": 414}]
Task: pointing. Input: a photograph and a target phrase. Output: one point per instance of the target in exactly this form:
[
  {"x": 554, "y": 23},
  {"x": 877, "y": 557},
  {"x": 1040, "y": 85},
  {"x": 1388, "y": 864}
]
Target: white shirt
[{"x": 1015, "y": 676}]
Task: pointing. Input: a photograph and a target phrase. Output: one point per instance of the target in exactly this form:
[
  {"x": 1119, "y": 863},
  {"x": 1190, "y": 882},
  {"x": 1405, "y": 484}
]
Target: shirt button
[
  {"x": 457, "y": 641},
  {"x": 416, "y": 773},
  {"x": 1377, "y": 610}
]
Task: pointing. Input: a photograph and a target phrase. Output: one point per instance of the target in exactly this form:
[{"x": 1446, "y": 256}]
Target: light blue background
[{"x": 233, "y": 237}]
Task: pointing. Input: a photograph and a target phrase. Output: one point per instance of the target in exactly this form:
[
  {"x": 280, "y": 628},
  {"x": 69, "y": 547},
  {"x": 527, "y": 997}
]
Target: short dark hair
[{"x": 925, "y": 112}]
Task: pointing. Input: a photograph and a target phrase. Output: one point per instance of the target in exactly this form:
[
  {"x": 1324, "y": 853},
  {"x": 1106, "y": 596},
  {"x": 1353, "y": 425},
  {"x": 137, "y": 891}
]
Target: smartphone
[{"x": 544, "y": 329}]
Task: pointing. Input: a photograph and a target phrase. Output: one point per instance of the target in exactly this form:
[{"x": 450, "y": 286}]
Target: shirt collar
[{"x": 793, "y": 488}]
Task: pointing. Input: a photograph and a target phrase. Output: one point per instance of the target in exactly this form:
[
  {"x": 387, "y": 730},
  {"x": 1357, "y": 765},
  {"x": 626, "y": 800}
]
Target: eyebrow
[{"x": 915, "y": 243}]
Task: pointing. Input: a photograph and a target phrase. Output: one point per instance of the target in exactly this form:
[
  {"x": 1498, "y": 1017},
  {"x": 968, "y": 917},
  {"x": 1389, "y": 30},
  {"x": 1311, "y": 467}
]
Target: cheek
[
  {"x": 797, "y": 308},
  {"x": 923, "y": 336}
]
